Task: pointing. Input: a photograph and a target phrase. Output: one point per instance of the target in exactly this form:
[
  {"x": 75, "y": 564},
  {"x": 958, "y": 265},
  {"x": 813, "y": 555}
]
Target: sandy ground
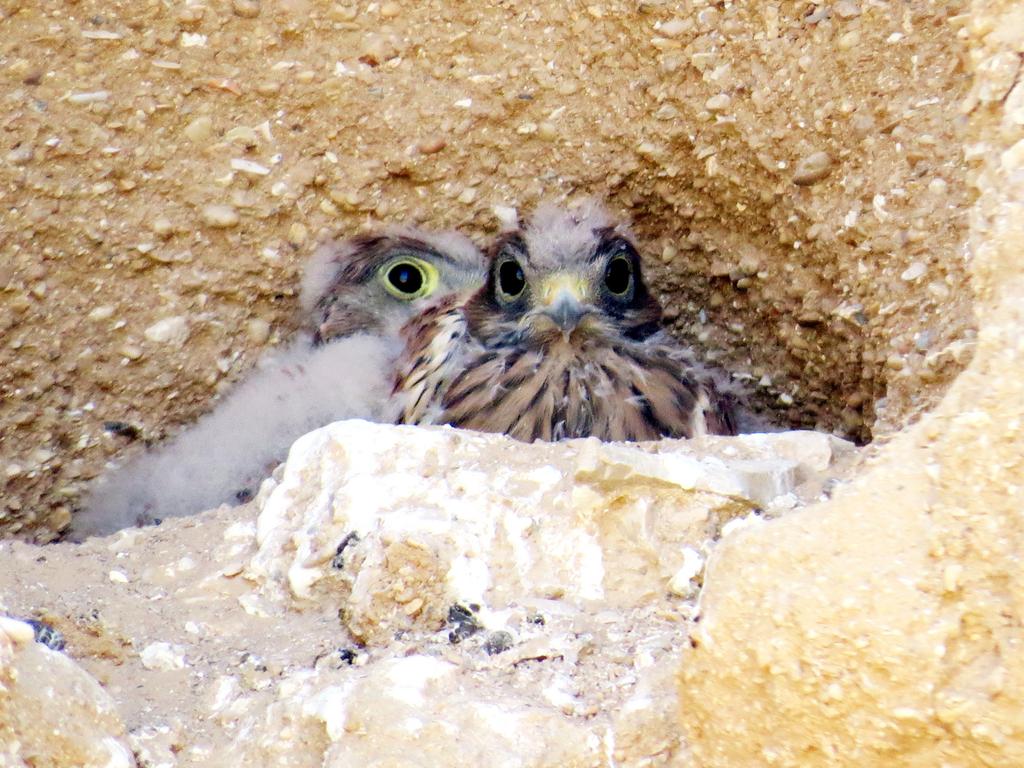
[
  {"x": 118, "y": 598},
  {"x": 201, "y": 638}
]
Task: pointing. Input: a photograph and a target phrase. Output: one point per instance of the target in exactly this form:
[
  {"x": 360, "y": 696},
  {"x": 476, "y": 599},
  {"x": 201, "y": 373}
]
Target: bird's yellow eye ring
[
  {"x": 511, "y": 281},
  {"x": 408, "y": 278},
  {"x": 618, "y": 276}
]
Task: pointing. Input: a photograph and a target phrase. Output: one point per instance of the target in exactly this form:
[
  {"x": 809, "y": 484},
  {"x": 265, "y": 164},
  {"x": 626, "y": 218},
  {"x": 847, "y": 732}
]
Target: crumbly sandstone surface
[
  {"x": 883, "y": 628},
  {"x": 52, "y": 712},
  {"x": 794, "y": 173},
  {"x": 877, "y": 627}
]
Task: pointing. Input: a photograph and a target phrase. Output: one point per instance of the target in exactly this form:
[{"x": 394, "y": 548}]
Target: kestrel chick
[
  {"x": 374, "y": 283},
  {"x": 563, "y": 340},
  {"x": 356, "y": 295}
]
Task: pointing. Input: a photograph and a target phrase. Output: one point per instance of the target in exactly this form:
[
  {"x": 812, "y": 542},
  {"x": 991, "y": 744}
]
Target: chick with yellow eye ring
[
  {"x": 408, "y": 278},
  {"x": 374, "y": 283},
  {"x": 355, "y": 295}
]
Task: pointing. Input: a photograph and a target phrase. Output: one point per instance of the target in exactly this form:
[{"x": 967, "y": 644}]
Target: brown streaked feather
[
  {"x": 339, "y": 318},
  {"x": 632, "y": 395},
  {"x": 436, "y": 342}
]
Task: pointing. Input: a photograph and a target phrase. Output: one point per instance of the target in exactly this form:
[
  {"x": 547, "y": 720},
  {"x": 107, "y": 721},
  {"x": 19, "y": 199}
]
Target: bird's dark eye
[
  {"x": 618, "y": 276},
  {"x": 409, "y": 278},
  {"x": 406, "y": 278},
  {"x": 511, "y": 280}
]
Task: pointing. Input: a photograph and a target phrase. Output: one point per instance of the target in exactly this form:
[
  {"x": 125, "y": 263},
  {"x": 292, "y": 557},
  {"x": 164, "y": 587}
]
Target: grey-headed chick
[{"x": 356, "y": 295}]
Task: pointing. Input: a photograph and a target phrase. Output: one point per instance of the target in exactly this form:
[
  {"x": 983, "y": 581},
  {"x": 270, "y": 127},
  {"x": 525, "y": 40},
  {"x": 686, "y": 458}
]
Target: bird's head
[
  {"x": 568, "y": 276},
  {"x": 374, "y": 283}
]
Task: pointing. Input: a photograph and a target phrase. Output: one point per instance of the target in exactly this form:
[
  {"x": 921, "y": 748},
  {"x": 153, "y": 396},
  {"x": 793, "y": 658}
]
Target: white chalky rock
[
  {"x": 400, "y": 523},
  {"x": 162, "y": 656},
  {"x": 416, "y": 705}
]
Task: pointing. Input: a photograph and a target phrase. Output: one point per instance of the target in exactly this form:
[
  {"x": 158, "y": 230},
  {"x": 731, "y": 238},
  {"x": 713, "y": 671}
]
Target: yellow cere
[{"x": 553, "y": 286}]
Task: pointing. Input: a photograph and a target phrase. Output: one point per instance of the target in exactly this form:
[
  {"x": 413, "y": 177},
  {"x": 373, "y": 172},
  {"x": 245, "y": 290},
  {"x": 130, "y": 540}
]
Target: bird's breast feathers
[
  {"x": 437, "y": 345},
  {"x": 589, "y": 386}
]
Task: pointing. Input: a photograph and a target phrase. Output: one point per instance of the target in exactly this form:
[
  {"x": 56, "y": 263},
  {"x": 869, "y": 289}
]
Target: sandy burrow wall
[
  {"x": 794, "y": 174},
  {"x": 884, "y": 628}
]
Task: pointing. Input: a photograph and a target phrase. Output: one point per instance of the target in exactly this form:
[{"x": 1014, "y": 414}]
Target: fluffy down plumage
[
  {"x": 356, "y": 295},
  {"x": 223, "y": 456}
]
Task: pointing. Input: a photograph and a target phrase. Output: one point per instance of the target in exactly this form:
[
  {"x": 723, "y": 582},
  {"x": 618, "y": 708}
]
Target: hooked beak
[
  {"x": 566, "y": 311},
  {"x": 563, "y": 297}
]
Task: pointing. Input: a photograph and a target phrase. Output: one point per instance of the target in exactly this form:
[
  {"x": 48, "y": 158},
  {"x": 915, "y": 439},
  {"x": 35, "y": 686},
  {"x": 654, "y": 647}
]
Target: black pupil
[
  {"x": 406, "y": 278},
  {"x": 617, "y": 276},
  {"x": 510, "y": 276}
]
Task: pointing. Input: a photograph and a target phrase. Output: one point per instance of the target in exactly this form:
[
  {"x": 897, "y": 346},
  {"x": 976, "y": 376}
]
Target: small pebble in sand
[
  {"x": 431, "y": 145},
  {"x": 847, "y": 9},
  {"x": 169, "y": 330},
  {"x": 163, "y": 656},
  {"x": 914, "y": 271},
  {"x": 249, "y": 167},
  {"x": 895, "y": 362},
  {"x": 200, "y": 129},
  {"x": 219, "y": 215},
  {"x": 497, "y": 642},
  {"x": 90, "y": 97},
  {"x": 258, "y": 330},
  {"x": 162, "y": 226},
  {"x": 674, "y": 27},
  {"x": 812, "y": 168},
  {"x": 718, "y": 103},
  {"x": 22, "y": 155},
  {"x": 247, "y": 9}
]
